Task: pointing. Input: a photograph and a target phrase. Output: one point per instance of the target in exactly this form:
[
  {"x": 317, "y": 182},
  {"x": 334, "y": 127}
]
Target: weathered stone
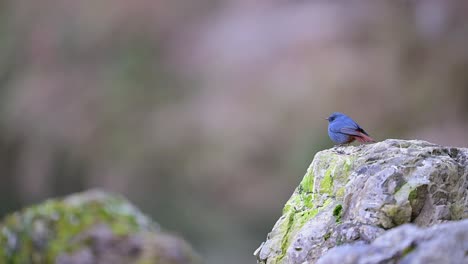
[
  {"x": 443, "y": 243},
  {"x": 92, "y": 227},
  {"x": 354, "y": 194}
]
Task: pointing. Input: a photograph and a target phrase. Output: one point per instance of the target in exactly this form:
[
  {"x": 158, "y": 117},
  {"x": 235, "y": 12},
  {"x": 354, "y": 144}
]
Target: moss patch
[
  {"x": 345, "y": 166},
  {"x": 39, "y": 233},
  {"x": 340, "y": 193},
  {"x": 413, "y": 194},
  {"x": 403, "y": 193},
  {"x": 337, "y": 213},
  {"x": 307, "y": 183},
  {"x": 398, "y": 214},
  {"x": 296, "y": 219},
  {"x": 408, "y": 250},
  {"x": 316, "y": 192},
  {"x": 326, "y": 184}
]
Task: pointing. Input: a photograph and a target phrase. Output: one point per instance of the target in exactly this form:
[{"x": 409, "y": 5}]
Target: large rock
[
  {"x": 443, "y": 243},
  {"x": 354, "y": 194},
  {"x": 88, "y": 228}
]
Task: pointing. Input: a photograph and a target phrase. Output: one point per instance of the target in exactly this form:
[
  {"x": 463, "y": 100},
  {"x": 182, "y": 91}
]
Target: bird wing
[
  {"x": 359, "y": 134},
  {"x": 353, "y": 131}
]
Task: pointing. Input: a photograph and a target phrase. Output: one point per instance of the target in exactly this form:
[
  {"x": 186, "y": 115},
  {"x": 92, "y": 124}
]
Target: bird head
[{"x": 334, "y": 116}]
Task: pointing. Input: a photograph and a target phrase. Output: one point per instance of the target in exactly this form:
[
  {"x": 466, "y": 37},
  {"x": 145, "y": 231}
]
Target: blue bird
[{"x": 344, "y": 130}]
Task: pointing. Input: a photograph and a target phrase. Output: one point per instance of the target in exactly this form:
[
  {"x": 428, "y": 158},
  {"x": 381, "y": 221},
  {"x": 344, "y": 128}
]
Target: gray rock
[
  {"x": 92, "y": 227},
  {"x": 407, "y": 244},
  {"x": 354, "y": 194}
]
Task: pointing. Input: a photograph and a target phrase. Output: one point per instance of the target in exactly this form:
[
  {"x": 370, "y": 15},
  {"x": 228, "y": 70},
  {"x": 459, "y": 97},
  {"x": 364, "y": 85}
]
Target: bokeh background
[{"x": 206, "y": 113}]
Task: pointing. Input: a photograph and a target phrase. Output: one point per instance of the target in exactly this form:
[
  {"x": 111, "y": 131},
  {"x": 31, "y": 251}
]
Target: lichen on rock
[
  {"x": 90, "y": 227},
  {"x": 354, "y": 194}
]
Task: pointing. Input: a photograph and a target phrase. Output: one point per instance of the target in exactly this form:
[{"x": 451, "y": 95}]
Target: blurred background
[{"x": 207, "y": 113}]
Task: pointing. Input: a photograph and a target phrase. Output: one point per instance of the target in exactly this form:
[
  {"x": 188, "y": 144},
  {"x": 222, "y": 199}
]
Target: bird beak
[{"x": 326, "y": 118}]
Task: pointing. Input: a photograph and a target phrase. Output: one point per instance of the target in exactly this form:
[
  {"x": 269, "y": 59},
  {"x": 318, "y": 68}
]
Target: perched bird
[{"x": 343, "y": 130}]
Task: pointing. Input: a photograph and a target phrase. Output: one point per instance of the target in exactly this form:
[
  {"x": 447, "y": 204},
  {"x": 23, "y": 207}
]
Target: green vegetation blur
[{"x": 206, "y": 113}]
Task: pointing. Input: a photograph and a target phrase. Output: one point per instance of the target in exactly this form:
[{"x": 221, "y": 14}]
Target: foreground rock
[
  {"x": 88, "y": 228},
  {"x": 354, "y": 194},
  {"x": 444, "y": 243}
]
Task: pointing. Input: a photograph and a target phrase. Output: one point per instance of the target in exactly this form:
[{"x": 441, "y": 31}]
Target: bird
[{"x": 344, "y": 130}]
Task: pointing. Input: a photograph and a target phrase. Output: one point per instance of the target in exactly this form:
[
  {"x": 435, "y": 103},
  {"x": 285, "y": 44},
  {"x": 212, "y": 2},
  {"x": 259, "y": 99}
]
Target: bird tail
[{"x": 363, "y": 138}]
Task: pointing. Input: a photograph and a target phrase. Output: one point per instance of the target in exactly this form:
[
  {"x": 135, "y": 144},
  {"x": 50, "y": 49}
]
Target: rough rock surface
[
  {"x": 88, "y": 228},
  {"x": 444, "y": 243},
  {"x": 354, "y": 194}
]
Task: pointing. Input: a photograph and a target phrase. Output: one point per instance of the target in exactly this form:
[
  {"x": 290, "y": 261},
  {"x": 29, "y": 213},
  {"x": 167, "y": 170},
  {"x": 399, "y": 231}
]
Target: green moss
[
  {"x": 340, "y": 192},
  {"x": 337, "y": 213},
  {"x": 289, "y": 226},
  {"x": 39, "y": 233},
  {"x": 313, "y": 195},
  {"x": 307, "y": 183},
  {"x": 336, "y": 176},
  {"x": 413, "y": 194},
  {"x": 397, "y": 213},
  {"x": 403, "y": 193},
  {"x": 326, "y": 184},
  {"x": 407, "y": 250},
  {"x": 327, "y": 236},
  {"x": 295, "y": 220},
  {"x": 345, "y": 166}
]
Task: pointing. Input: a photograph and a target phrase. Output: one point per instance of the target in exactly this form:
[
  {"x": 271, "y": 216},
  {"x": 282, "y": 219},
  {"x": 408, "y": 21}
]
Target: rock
[
  {"x": 443, "y": 243},
  {"x": 92, "y": 227},
  {"x": 355, "y": 194}
]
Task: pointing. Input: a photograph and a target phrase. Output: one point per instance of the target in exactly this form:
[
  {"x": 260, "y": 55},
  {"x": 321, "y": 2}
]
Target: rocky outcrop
[
  {"x": 442, "y": 243},
  {"x": 88, "y": 228},
  {"x": 353, "y": 195}
]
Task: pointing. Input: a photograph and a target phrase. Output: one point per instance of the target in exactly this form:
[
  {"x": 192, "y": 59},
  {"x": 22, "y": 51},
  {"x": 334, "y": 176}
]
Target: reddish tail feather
[{"x": 363, "y": 138}]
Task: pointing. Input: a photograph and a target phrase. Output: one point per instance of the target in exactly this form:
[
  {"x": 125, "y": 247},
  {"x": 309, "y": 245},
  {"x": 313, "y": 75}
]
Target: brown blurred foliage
[{"x": 207, "y": 113}]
